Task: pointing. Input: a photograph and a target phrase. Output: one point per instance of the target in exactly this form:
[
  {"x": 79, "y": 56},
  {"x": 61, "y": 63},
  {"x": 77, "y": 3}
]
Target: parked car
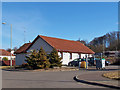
[
  {"x": 91, "y": 61},
  {"x": 107, "y": 63},
  {"x": 75, "y": 62}
]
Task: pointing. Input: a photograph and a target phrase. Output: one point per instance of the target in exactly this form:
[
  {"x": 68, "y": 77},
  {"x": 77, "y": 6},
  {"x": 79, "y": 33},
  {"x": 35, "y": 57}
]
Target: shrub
[
  {"x": 24, "y": 65},
  {"x": 32, "y": 59},
  {"x": 37, "y": 59},
  {"x": 5, "y": 58},
  {"x": 117, "y": 61},
  {"x": 54, "y": 59},
  {"x": 43, "y": 62}
]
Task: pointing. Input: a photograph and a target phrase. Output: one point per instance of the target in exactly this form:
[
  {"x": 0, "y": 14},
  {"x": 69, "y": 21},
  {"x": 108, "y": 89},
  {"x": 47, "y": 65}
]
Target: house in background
[
  {"x": 21, "y": 53},
  {"x": 68, "y": 50},
  {"x": 4, "y": 53},
  {"x": 112, "y": 53}
]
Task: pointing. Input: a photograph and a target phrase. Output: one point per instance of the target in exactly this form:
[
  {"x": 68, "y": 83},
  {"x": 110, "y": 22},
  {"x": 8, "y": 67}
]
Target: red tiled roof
[
  {"x": 23, "y": 48},
  {"x": 65, "y": 45},
  {"x": 5, "y": 53}
]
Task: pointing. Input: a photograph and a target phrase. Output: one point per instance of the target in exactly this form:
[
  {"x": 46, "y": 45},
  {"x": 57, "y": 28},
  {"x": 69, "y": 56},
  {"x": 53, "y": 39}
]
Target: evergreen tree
[
  {"x": 32, "y": 59},
  {"x": 54, "y": 58},
  {"x": 38, "y": 59},
  {"x": 43, "y": 61}
]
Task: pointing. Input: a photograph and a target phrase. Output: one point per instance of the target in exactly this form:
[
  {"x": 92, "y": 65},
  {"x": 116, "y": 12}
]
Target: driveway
[{"x": 59, "y": 79}]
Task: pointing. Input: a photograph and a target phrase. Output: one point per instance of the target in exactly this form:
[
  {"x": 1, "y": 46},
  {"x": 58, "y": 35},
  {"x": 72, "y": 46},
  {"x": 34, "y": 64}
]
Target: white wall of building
[
  {"x": 90, "y": 55},
  {"x": 66, "y": 57},
  {"x": 75, "y": 55},
  {"x": 20, "y": 59},
  {"x": 84, "y": 55},
  {"x": 65, "y": 60}
]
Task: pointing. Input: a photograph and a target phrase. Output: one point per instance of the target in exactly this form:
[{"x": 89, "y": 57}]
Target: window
[
  {"x": 70, "y": 55},
  {"x": 88, "y": 55},
  {"x": 61, "y": 55},
  {"x": 79, "y": 55}
]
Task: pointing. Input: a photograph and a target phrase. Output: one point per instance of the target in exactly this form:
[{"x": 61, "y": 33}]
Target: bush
[
  {"x": 43, "y": 61},
  {"x": 117, "y": 61},
  {"x": 5, "y": 58},
  {"x": 54, "y": 59},
  {"x": 38, "y": 59},
  {"x": 24, "y": 65}
]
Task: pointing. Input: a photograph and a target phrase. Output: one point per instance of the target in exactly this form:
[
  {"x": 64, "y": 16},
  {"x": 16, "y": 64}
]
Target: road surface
[{"x": 57, "y": 79}]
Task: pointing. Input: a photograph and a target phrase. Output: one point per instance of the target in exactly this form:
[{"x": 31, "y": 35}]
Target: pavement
[{"x": 96, "y": 78}]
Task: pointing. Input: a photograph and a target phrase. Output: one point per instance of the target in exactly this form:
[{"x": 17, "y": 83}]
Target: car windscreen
[{"x": 75, "y": 60}]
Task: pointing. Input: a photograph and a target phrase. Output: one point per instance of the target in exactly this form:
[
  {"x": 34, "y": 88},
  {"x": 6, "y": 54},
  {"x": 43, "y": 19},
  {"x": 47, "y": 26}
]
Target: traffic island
[
  {"x": 112, "y": 75},
  {"x": 96, "y": 78}
]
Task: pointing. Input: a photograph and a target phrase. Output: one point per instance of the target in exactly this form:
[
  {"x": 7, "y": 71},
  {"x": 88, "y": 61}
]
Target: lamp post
[
  {"x": 11, "y": 47},
  {"x": 10, "y": 44}
]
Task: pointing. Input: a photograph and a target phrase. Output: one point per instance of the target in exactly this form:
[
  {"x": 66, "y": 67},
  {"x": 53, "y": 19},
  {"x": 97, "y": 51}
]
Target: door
[{"x": 66, "y": 58}]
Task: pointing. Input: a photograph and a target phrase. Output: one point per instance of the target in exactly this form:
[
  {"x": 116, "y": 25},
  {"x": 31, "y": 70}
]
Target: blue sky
[{"x": 67, "y": 20}]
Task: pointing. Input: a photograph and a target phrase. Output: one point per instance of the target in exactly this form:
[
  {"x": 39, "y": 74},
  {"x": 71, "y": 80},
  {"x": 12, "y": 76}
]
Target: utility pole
[
  {"x": 10, "y": 43},
  {"x": 118, "y": 38},
  {"x": 24, "y": 35},
  {"x": 11, "y": 47},
  {"x": 118, "y": 24}
]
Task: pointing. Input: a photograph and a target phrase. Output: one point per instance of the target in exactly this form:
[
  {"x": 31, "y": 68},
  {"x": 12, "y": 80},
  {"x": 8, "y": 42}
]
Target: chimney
[{"x": 30, "y": 41}]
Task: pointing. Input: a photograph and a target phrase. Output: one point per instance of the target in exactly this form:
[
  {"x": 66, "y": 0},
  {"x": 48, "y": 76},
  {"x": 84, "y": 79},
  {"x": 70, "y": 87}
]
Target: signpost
[{"x": 86, "y": 61}]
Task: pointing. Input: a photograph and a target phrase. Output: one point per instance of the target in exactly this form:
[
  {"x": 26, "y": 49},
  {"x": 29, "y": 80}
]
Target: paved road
[
  {"x": 42, "y": 80},
  {"x": 61, "y": 79}
]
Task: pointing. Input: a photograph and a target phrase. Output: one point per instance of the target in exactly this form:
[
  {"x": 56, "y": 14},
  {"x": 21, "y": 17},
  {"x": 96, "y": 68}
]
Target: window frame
[{"x": 70, "y": 55}]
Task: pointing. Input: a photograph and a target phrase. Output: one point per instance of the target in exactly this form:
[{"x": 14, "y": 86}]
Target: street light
[
  {"x": 10, "y": 45},
  {"x": 3, "y": 23}
]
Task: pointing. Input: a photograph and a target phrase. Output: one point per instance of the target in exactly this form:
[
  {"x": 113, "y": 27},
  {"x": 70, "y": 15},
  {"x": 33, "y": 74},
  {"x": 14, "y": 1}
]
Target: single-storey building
[
  {"x": 68, "y": 50},
  {"x": 4, "y": 53}
]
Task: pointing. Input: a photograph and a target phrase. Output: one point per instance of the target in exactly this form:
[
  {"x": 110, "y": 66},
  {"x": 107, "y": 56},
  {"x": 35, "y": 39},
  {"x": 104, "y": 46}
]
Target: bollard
[
  {"x": 86, "y": 61},
  {"x": 79, "y": 64}
]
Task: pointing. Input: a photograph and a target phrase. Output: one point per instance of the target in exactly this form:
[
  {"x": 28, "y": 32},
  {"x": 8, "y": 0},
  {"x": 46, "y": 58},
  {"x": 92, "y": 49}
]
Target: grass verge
[
  {"x": 5, "y": 67},
  {"x": 112, "y": 75}
]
